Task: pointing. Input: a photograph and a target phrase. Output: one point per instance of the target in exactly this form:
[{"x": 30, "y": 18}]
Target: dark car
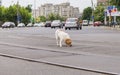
[
  {"x": 48, "y": 24},
  {"x": 8, "y": 25},
  {"x": 63, "y": 22}
]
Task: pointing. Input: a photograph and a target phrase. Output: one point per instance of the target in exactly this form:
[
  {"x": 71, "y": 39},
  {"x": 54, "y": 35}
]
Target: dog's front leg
[
  {"x": 57, "y": 41},
  {"x": 60, "y": 42}
]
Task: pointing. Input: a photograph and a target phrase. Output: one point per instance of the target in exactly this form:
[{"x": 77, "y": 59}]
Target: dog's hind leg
[{"x": 60, "y": 42}]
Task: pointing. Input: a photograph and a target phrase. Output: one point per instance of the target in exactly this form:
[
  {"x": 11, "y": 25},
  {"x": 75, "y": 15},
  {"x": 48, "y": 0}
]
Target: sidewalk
[{"x": 117, "y": 27}]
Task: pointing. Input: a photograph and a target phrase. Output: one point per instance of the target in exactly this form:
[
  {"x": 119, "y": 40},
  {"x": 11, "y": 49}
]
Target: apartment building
[{"x": 63, "y": 9}]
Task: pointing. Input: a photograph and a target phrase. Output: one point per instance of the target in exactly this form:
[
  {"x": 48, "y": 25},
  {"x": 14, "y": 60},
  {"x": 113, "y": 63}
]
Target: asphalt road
[
  {"x": 96, "y": 40},
  {"x": 39, "y": 43},
  {"x": 11, "y": 66}
]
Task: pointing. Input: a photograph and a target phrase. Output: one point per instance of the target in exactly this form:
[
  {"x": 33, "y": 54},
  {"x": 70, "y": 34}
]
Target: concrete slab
[{"x": 91, "y": 62}]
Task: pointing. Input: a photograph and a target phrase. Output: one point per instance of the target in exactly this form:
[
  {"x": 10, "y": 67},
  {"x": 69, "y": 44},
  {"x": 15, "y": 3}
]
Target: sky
[{"x": 82, "y": 4}]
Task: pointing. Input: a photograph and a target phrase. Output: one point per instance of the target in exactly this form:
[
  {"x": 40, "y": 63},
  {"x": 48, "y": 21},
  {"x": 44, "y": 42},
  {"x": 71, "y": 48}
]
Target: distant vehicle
[
  {"x": 56, "y": 23},
  {"x": 72, "y": 23},
  {"x": 85, "y": 22},
  {"x": 36, "y": 25},
  {"x": 97, "y": 23},
  {"x": 42, "y": 24},
  {"x": 8, "y": 25},
  {"x": 29, "y": 25},
  {"x": 48, "y": 24},
  {"x": 63, "y": 22},
  {"x": 21, "y": 25},
  {"x": 90, "y": 22}
]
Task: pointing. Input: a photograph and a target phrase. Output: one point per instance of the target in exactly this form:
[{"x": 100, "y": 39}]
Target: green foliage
[
  {"x": 25, "y": 15},
  {"x": 10, "y": 14},
  {"x": 2, "y": 13},
  {"x": 53, "y": 16},
  {"x": 116, "y": 3},
  {"x": 87, "y": 13},
  {"x": 99, "y": 13},
  {"x": 29, "y": 8},
  {"x": 42, "y": 18}
]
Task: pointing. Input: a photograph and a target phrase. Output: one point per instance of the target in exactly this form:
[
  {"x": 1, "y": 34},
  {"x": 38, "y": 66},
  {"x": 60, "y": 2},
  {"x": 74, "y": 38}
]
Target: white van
[{"x": 85, "y": 22}]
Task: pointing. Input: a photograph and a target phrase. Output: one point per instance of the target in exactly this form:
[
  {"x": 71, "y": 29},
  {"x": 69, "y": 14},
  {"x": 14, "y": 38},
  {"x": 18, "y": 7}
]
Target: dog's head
[{"x": 68, "y": 42}]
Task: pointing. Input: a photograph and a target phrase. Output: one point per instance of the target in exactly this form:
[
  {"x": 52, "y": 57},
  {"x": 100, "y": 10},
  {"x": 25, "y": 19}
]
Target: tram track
[{"x": 48, "y": 62}]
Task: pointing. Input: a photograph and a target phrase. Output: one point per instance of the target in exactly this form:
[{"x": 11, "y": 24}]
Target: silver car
[
  {"x": 56, "y": 23},
  {"x": 72, "y": 23},
  {"x": 21, "y": 25},
  {"x": 8, "y": 25}
]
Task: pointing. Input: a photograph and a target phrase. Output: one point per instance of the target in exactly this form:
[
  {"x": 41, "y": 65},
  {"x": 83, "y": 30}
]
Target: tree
[
  {"x": 2, "y": 13},
  {"x": 25, "y": 15},
  {"x": 29, "y": 8},
  {"x": 51, "y": 17},
  {"x": 87, "y": 12},
  {"x": 99, "y": 13},
  {"x": 10, "y": 14},
  {"x": 116, "y": 3},
  {"x": 42, "y": 18}
]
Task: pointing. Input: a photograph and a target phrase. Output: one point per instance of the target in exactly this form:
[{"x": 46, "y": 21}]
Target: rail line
[{"x": 47, "y": 62}]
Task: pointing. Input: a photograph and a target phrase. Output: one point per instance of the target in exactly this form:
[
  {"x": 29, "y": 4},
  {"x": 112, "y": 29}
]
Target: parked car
[
  {"x": 56, "y": 23},
  {"x": 36, "y": 25},
  {"x": 85, "y": 22},
  {"x": 8, "y": 25},
  {"x": 21, "y": 25},
  {"x": 72, "y": 23},
  {"x": 90, "y": 22},
  {"x": 42, "y": 24},
  {"x": 48, "y": 24},
  {"x": 97, "y": 23},
  {"x": 29, "y": 25}
]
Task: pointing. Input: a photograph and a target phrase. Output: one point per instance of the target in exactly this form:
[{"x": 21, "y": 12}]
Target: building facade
[{"x": 63, "y": 9}]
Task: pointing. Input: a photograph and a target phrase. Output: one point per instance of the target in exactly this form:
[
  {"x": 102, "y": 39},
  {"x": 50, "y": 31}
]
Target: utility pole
[
  {"x": 92, "y": 11},
  {"x": 34, "y": 11},
  {"x": 105, "y": 18},
  {"x": 0, "y": 2},
  {"x": 18, "y": 17},
  {"x": 109, "y": 13},
  {"x": 105, "y": 13}
]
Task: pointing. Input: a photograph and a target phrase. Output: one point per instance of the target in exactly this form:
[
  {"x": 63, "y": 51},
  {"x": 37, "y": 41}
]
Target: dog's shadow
[
  {"x": 64, "y": 46},
  {"x": 59, "y": 46}
]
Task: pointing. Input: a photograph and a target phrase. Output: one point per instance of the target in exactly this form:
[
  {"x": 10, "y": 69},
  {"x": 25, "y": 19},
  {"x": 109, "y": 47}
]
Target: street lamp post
[
  {"x": 18, "y": 17},
  {"x": 105, "y": 14},
  {"x": 34, "y": 11},
  {"x": 92, "y": 11}
]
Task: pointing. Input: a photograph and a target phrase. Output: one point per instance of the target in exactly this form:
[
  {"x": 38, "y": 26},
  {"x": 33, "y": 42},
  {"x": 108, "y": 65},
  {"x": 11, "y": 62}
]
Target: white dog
[{"x": 62, "y": 36}]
